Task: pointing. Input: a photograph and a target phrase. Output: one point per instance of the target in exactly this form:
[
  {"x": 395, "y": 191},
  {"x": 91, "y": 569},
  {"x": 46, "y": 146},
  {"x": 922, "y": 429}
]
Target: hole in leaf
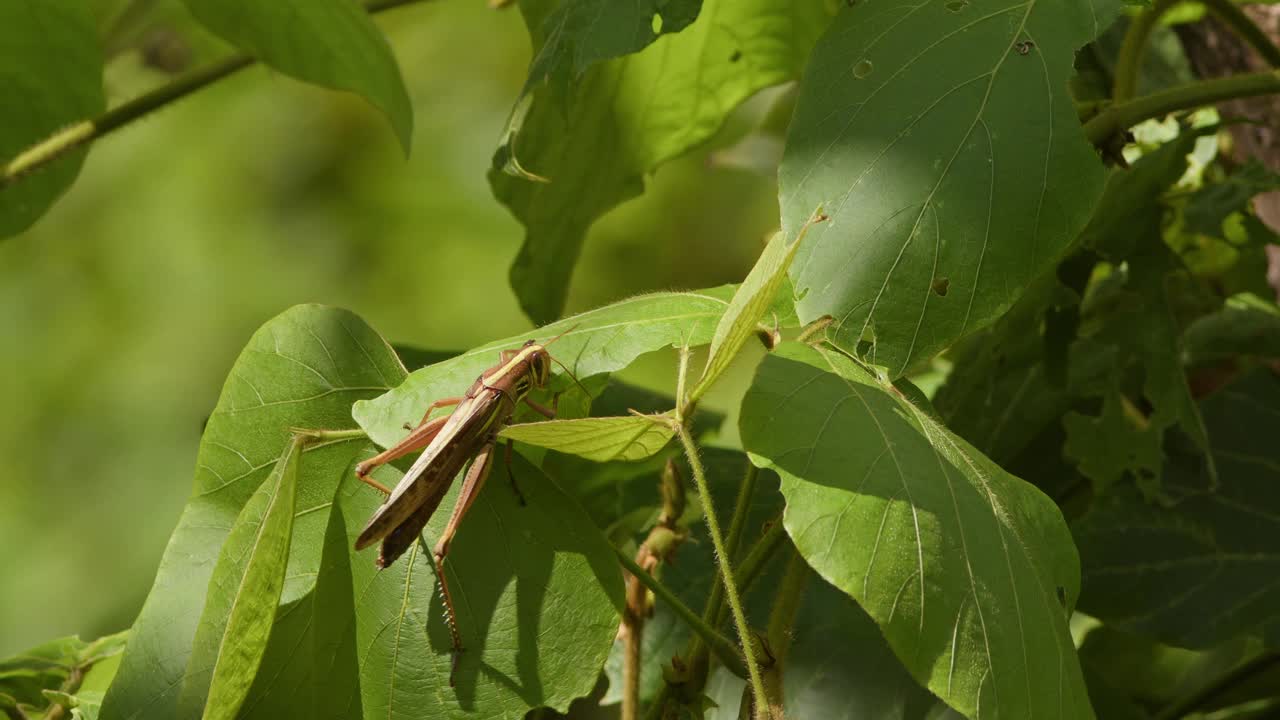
[
  {"x": 657, "y": 23},
  {"x": 941, "y": 286},
  {"x": 1024, "y": 47},
  {"x": 863, "y": 69},
  {"x": 736, "y": 56},
  {"x": 956, "y": 6}
]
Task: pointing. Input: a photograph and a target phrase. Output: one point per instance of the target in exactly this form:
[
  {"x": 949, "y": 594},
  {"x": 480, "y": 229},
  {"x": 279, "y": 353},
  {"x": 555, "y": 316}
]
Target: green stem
[
  {"x": 720, "y": 644},
  {"x": 782, "y": 618},
  {"x": 1127, "y": 114},
  {"x": 87, "y": 131},
  {"x": 1201, "y": 697},
  {"x": 329, "y": 435},
  {"x": 1129, "y": 60},
  {"x": 1234, "y": 17},
  {"x": 726, "y": 572}
]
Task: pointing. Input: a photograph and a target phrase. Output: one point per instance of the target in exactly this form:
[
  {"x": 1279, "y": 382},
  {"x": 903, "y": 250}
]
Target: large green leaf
[
  {"x": 50, "y": 77},
  {"x": 538, "y": 594},
  {"x": 302, "y": 369},
  {"x": 595, "y": 139},
  {"x": 942, "y": 141},
  {"x": 332, "y": 43},
  {"x": 598, "y": 341},
  {"x": 969, "y": 571},
  {"x": 243, "y": 593},
  {"x": 1203, "y": 569}
]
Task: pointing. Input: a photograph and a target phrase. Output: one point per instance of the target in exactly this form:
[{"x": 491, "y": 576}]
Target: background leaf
[
  {"x": 332, "y": 43},
  {"x": 301, "y": 369},
  {"x": 595, "y": 140},
  {"x": 1188, "y": 574},
  {"x": 942, "y": 141},
  {"x": 58, "y": 38},
  {"x": 243, "y": 593},
  {"x": 969, "y": 571}
]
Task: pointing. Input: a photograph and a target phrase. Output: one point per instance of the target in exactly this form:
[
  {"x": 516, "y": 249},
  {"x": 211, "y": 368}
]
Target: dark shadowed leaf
[
  {"x": 969, "y": 571},
  {"x": 1197, "y": 571},
  {"x": 332, "y": 43},
  {"x": 941, "y": 139},
  {"x": 50, "y": 78}
]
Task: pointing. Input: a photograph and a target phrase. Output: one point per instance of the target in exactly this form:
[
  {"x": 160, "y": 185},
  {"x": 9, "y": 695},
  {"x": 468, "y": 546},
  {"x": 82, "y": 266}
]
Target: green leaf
[
  {"x": 43, "y": 673},
  {"x": 1235, "y": 332},
  {"x": 600, "y": 439},
  {"x": 302, "y": 369},
  {"x": 1210, "y": 206},
  {"x": 749, "y": 304},
  {"x": 332, "y": 43},
  {"x": 1188, "y": 573},
  {"x": 598, "y": 341},
  {"x": 537, "y": 591},
  {"x": 969, "y": 571},
  {"x": 50, "y": 77},
  {"x": 942, "y": 141},
  {"x": 596, "y": 138},
  {"x": 243, "y": 593},
  {"x": 580, "y": 33}
]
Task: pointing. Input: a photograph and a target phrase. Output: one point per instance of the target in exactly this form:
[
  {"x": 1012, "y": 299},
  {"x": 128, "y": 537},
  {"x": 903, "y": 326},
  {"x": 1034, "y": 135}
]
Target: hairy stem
[
  {"x": 1129, "y": 61},
  {"x": 719, "y": 644},
  {"x": 93, "y": 129},
  {"x": 1124, "y": 115},
  {"x": 726, "y": 571}
]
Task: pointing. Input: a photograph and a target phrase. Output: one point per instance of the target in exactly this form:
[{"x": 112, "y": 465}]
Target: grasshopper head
[{"x": 539, "y": 364}]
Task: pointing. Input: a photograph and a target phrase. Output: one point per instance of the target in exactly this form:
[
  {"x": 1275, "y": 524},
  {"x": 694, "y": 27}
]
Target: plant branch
[
  {"x": 1129, "y": 60},
  {"x": 1236, "y": 676},
  {"x": 1233, "y": 16},
  {"x": 90, "y": 130},
  {"x": 722, "y": 646},
  {"x": 726, "y": 572},
  {"x": 1124, "y": 115},
  {"x": 661, "y": 543},
  {"x": 782, "y": 618}
]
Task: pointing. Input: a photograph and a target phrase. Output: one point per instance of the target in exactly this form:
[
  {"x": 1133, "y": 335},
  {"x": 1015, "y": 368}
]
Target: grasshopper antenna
[{"x": 564, "y": 367}]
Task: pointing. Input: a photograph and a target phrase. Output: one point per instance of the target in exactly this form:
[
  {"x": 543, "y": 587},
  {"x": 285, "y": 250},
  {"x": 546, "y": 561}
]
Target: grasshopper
[{"x": 469, "y": 433}]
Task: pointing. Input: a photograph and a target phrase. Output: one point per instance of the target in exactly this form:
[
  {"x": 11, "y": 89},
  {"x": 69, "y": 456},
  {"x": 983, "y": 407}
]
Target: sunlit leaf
[
  {"x": 943, "y": 142},
  {"x": 600, "y": 439},
  {"x": 50, "y": 78},
  {"x": 243, "y": 593},
  {"x": 746, "y": 309},
  {"x": 969, "y": 571},
  {"x": 332, "y": 43}
]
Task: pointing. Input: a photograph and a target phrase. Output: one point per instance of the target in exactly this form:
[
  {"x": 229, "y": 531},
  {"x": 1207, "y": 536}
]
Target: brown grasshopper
[{"x": 469, "y": 433}]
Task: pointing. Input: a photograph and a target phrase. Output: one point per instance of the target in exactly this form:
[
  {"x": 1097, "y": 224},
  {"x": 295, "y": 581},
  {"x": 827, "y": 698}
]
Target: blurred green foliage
[{"x": 122, "y": 309}]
